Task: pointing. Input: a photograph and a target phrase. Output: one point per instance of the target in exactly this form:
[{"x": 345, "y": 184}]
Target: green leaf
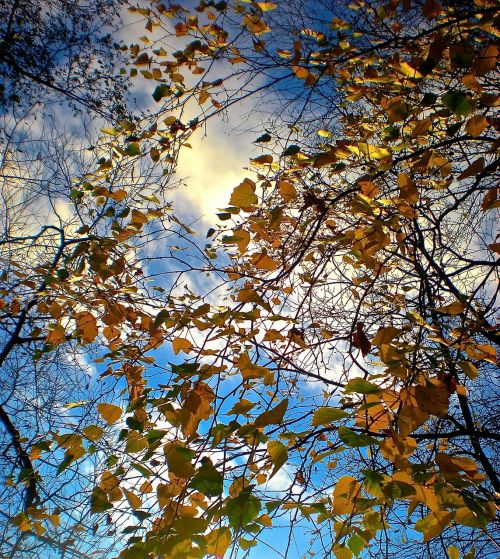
[
  {"x": 398, "y": 490},
  {"x": 429, "y": 99},
  {"x": 326, "y": 415},
  {"x": 458, "y": 103},
  {"x": 373, "y": 481},
  {"x": 208, "y": 480},
  {"x": 361, "y": 386},
  {"x": 356, "y": 544},
  {"x": 99, "y": 501},
  {"x": 133, "y": 148},
  {"x": 160, "y": 92},
  {"x": 247, "y": 544},
  {"x": 242, "y": 509},
  {"x": 141, "y": 469},
  {"x": 135, "y": 443},
  {"x": 292, "y": 150},
  {"x": 264, "y": 138},
  {"x": 353, "y": 440}
]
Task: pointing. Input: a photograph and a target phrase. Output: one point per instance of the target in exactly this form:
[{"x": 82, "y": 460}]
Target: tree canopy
[{"x": 316, "y": 374}]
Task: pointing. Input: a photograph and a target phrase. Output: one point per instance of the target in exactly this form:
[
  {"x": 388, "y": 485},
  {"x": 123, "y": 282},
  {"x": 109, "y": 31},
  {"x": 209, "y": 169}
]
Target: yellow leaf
[
  {"x": 108, "y": 481},
  {"x": 486, "y": 61},
  {"x": 369, "y": 189},
  {"x": 273, "y": 335},
  {"x": 109, "y": 412},
  {"x": 244, "y": 196},
  {"x": 373, "y": 152},
  {"x": 482, "y": 351},
  {"x": 251, "y": 371},
  {"x": 461, "y": 390},
  {"x": 325, "y": 133},
  {"x": 433, "y": 524},
  {"x": 453, "y": 308},
  {"x": 409, "y": 71},
  {"x": 262, "y": 160},
  {"x": 218, "y": 541},
  {"x": 469, "y": 369},
  {"x": 342, "y": 552},
  {"x": 278, "y": 453},
  {"x": 421, "y": 127},
  {"x": 265, "y": 520},
  {"x": 177, "y": 463},
  {"x": 134, "y": 501},
  {"x": 22, "y": 522},
  {"x": 240, "y": 237},
  {"x": 273, "y": 416},
  {"x": 385, "y": 335},
  {"x": 93, "y": 432},
  {"x": 432, "y": 398},
  {"x": 181, "y": 344},
  {"x": 267, "y": 6},
  {"x": 453, "y": 552},
  {"x": 243, "y": 406},
  {"x": 407, "y": 189},
  {"x": 72, "y": 405},
  {"x": 54, "y": 519},
  {"x": 87, "y": 326},
  {"x": 287, "y": 191},
  {"x": 476, "y": 125},
  {"x": 466, "y": 517}
]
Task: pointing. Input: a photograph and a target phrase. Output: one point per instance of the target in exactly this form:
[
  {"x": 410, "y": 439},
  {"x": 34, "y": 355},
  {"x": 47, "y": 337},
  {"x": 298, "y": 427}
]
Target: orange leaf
[
  {"x": 300, "y": 72},
  {"x": 263, "y": 262},
  {"x": 87, "y": 326},
  {"x": 181, "y": 344}
]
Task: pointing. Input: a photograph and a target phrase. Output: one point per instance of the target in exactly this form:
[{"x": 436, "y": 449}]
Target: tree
[
  {"x": 61, "y": 85},
  {"x": 349, "y": 350},
  {"x": 64, "y": 49}
]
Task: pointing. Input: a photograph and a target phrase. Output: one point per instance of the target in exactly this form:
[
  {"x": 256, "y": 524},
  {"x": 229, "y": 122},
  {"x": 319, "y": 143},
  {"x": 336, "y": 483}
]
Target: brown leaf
[
  {"x": 432, "y": 9},
  {"x": 360, "y": 340},
  {"x": 407, "y": 189},
  {"x": 476, "y": 125},
  {"x": 486, "y": 61}
]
